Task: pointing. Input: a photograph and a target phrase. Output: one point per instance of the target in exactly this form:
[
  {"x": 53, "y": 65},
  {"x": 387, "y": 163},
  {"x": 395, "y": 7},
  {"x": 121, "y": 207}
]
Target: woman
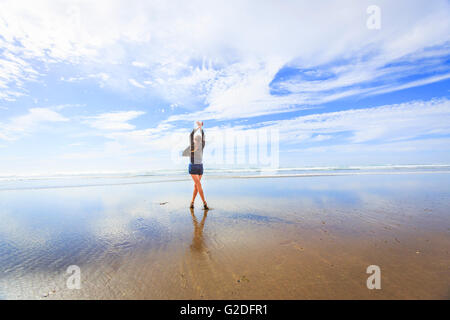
[{"x": 196, "y": 165}]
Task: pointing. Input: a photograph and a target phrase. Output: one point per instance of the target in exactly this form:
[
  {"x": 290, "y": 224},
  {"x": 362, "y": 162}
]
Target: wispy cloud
[
  {"x": 113, "y": 120},
  {"x": 136, "y": 84},
  {"x": 406, "y": 126},
  {"x": 180, "y": 61},
  {"x": 67, "y": 105},
  {"x": 21, "y": 125},
  {"x": 14, "y": 72},
  {"x": 396, "y": 122},
  {"x": 139, "y": 64},
  {"x": 215, "y": 59}
]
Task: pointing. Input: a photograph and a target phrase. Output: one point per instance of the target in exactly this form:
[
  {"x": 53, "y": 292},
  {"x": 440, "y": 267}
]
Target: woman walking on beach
[{"x": 196, "y": 165}]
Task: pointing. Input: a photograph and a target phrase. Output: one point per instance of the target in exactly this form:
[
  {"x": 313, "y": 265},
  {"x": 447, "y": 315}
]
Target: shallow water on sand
[{"x": 266, "y": 238}]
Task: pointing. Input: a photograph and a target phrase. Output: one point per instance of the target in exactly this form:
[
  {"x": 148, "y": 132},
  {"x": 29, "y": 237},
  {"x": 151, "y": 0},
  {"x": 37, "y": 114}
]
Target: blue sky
[{"x": 113, "y": 85}]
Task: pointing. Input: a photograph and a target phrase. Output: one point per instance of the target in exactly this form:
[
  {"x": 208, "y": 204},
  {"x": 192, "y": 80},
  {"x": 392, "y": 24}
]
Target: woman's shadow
[{"x": 198, "y": 243}]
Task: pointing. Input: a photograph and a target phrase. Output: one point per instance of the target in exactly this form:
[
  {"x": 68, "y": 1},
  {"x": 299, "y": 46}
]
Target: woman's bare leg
[
  {"x": 198, "y": 187},
  {"x": 194, "y": 195}
]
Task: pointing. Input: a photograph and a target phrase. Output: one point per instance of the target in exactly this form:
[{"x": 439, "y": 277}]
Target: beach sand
[{"x": 266, "y": 238}]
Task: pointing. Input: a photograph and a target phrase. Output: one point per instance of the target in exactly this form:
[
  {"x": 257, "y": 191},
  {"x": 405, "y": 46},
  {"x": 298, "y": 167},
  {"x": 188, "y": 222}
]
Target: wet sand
[{"x": 267, "y": 238}]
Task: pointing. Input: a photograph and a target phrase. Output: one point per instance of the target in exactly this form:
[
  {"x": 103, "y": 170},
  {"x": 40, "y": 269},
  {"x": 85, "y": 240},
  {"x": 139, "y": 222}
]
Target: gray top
[{"x": 198, "y": 149}]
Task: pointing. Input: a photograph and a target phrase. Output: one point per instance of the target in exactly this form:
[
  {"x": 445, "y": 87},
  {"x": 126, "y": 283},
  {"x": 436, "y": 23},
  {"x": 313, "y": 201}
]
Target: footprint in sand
[{"x": 292, "y": 243}]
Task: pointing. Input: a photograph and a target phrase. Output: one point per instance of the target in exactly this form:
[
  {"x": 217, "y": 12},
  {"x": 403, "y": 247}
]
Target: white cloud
[
  {"x": 218, "y": 59},
  {"x": 214, "y": 57},
  {"x": 407, "y": 126},
  {"x": 411, "y": 84},
  {"x": 397, "y": 147},
  {"x": 113, "y": 120},
  {"x": 76, "y": 144},
  {"x": 379, "y": 124},
  {"x": 14, "y": 71},
  {"x": 321, "y": 137},
  {"x": 101, "y": 77},
  {"x": 136, "y": 84},
  {"x": 139, "y": 64},
  {"x": 25, "y": 124}
]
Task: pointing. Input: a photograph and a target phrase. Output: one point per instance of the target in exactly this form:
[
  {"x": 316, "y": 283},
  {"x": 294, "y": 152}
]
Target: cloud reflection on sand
[{"x": 277, "y": 233}]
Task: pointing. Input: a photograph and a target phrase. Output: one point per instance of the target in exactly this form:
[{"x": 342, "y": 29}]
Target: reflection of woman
[
  {"x": 197, "y": 240},
  {"x": 196, "y": 165}
]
